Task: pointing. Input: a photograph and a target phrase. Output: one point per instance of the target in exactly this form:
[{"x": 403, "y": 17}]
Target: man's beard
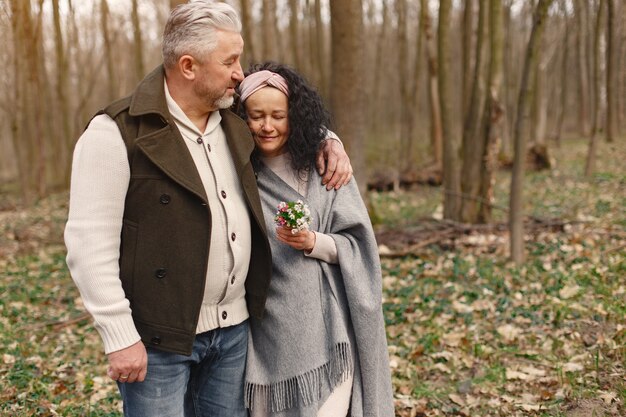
[
  {"x": 209, "y": 97},
  {"x": 224, "y": 102}
]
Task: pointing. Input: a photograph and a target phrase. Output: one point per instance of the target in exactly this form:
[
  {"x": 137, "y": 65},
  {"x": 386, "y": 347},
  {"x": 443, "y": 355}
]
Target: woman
[{"x": 320, "y": 349}]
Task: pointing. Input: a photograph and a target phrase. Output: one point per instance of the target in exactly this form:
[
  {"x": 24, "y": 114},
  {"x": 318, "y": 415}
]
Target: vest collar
[{"x": 149, "y": 97}]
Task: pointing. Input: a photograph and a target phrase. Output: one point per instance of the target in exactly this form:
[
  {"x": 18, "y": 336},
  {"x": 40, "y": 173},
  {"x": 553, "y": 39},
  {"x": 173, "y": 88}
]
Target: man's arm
[
  {"x": 100, "y": 178},
  {"x": 333, "y": 163}
]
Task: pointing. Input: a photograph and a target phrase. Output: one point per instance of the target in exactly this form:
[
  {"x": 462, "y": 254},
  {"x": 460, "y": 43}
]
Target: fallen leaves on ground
[{"x": 469, "y": 333}]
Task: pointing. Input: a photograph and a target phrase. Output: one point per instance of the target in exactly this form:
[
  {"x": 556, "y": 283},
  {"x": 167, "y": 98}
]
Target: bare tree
[
  {"x": 138, "y": 38},
  {"x": 563, "y": 93},
  {"x": 405, "y": 151},
  {"x": 436, "y": 131},
  {"x": 415, "y": 83},
  {"x": 583, "y": 73},
  {"x": 27, "y": 124},
  {"x": 516, "y": 215},
  {"x": 494, "y": 112},
  {"x": 294, "y": 32},
  {"x": 347, "y": 103},
  {"x": 108, "y": 51},
  {"x": 612, "y": 51},
  {"x": 62, "y": 89},
  {"x": 322, "y": 68},
  {"x": 451, "y": 172},
  {"x": 598, "y": 108},
  {"x": 379, "y": 59},
  {"x": 468, "y": 43},
  {"x": 621, "y": 88},
  {"x": 247, "y": 25},
  {"x": 540, "y": 99},
  {"x": 268, "y": 34},
  {"x": 473, "y": 137}
]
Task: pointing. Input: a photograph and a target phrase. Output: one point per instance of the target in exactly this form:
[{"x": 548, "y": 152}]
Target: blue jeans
[{"x": 209, "y": 383}]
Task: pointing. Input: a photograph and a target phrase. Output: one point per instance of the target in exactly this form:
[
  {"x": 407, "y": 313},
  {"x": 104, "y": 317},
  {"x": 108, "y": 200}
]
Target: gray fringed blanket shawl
[{"x": 301, "y": 349}]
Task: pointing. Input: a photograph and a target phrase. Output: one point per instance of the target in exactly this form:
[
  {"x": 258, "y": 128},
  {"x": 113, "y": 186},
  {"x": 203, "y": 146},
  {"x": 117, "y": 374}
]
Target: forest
[{"x": 487, "y": 137}]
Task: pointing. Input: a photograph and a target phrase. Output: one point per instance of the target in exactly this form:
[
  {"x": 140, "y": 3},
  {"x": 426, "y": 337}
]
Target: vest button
[
  {"x": 199, "y": 140},
  {"x": 160, "y": 273},
  {"x": 156, "y": 340},
  {"x": 165, "y": 199},
  {"x": 232, "y": 280},
  {"x": 223, "y": 194},
  {"x": 224, "y": 315},
  {"x": 233, "y": 237}
]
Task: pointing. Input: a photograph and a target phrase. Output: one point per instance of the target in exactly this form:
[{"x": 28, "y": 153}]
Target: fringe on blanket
[{"x": 304, "y": 389}]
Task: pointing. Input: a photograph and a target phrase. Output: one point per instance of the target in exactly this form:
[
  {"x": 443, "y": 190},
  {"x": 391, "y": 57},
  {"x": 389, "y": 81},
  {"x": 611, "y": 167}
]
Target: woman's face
[{"x": 267, "y": 111}]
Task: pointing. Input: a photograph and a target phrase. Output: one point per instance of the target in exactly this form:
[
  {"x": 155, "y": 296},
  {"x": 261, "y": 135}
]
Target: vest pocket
[{"x": 128, "y": 251}]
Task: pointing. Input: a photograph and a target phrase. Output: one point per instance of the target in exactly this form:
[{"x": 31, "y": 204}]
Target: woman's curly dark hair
[{"x": 308, "y": 118}]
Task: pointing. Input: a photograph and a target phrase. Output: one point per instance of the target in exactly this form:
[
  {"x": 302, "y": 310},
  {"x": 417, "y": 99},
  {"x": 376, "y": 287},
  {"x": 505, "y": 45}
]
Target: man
[{"x": 165, "y": 235}]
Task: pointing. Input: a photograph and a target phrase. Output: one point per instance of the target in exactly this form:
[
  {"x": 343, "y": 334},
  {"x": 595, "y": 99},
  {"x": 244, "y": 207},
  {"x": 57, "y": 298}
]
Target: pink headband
[{"x": 255, "y": 81}]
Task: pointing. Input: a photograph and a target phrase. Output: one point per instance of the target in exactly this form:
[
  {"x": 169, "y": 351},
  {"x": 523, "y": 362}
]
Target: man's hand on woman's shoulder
[{"x": 333, "y": 164}]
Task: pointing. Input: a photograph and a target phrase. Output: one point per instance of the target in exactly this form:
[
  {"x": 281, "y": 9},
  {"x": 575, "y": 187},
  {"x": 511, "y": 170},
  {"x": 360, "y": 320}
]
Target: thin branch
[{"x": 58, "y": 324}]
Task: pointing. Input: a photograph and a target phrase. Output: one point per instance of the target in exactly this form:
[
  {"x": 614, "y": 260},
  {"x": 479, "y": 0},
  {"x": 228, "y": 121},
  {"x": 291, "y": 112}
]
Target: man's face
[{"x": 220, "y": 72}]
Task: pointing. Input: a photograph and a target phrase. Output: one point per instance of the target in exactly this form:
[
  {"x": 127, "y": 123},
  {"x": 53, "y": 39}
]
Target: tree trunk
[
  {"x": 378, "y": 66},
  {"x": 270, "y": 52},
  {"x": 436, "y": 134},
  {"x": 583, "y": 73},
  {"x": 28, "y": 125},
  {"x": 112, "y": 89},
  {"x": 621, "y": 88},
  {"x": 414, "y": 118},
  {"x": 509, "y": 83},
  {"x": 320, "y": 49},
  {"x": 516, "y": 214},
  {"x": 468, "y": 38},
  {"x": 622, "y": 73},
  {"x": 451, "y": 172},
  {"x": 595, "y": 129},
  {"x": 564, "y": 71},
  {"x": 473, "y": 132},
  {"x": 494, "y": 112},
  {"x": 348, "y": 103},
  {"x": 62, "y": 71},
  {"x": 294, "y": 31},
  {"x": 138, "y": 38},
  {"x": 405, "y": 151},
  {"x": 540, "y": 99},
  {"x": 612, "y": 50},
  {"x": 250, "y": 40}
]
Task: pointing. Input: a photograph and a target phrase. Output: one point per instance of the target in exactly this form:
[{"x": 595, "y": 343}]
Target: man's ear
[{"x": 187, "y": 66}]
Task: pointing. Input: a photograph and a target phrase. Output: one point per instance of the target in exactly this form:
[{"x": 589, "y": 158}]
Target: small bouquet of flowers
[{"x": 294, "y": 215}]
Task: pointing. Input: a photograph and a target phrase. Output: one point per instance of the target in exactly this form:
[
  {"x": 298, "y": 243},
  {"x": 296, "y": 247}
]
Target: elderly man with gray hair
[{"x": 165, "y": 235}]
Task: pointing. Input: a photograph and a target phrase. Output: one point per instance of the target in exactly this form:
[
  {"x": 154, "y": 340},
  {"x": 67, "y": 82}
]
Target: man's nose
[{"x": 238, "y": 74}]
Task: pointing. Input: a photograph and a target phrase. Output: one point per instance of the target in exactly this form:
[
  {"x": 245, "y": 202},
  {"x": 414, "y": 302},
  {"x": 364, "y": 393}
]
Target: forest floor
[{"x": 469, "y": 333}]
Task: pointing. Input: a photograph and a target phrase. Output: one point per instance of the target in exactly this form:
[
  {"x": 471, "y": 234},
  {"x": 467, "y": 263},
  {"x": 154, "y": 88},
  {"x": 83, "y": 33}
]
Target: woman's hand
[{"x": 303, "y": 240}]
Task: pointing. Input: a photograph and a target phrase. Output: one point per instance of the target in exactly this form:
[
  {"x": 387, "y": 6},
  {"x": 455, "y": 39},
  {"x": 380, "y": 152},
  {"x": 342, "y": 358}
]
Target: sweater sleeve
[
  {"x": 325, "y": 249},
  {"x": 100, "y": 179}
]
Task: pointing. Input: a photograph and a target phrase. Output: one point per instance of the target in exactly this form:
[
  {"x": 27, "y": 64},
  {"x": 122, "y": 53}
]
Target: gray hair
[{"x": 192, "y": 27}]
